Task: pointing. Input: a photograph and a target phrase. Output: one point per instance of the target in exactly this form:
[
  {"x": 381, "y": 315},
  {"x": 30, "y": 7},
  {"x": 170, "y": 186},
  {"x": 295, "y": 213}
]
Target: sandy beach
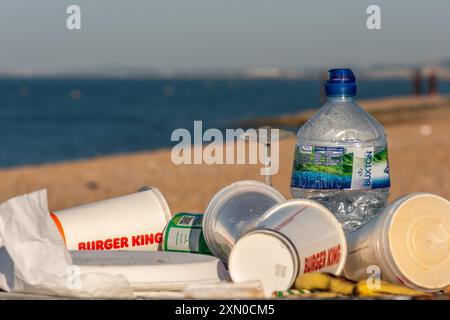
[{"x": 419, "y": 155}]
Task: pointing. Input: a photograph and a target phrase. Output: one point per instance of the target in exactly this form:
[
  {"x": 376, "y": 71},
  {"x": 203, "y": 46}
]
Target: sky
[{"x": 212, "y": 34}]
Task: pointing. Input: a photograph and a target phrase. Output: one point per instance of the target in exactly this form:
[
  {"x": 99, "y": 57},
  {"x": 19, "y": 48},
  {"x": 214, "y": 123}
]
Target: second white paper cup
[{"x": 294, "y": 237}]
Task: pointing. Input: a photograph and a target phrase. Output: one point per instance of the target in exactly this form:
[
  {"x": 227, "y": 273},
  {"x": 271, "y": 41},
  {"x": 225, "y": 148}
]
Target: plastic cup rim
[
  {"x": 162, "y": 201},
  {"x": 280, "y": 237},
  {"x": 211, "y": 209}
]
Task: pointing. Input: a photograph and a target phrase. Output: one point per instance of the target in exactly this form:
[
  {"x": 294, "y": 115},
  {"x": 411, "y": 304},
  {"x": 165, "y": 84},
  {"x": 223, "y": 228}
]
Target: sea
[{"x": 52, "y": 120}]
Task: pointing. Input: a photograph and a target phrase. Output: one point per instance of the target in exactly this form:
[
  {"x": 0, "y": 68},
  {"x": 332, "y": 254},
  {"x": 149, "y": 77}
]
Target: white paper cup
[
  {"x": 409, "y": 243},
  {"x": 131, "y": 222},
  {"x": 233, "y": 210},
  {"x": 295, "y": 237}
]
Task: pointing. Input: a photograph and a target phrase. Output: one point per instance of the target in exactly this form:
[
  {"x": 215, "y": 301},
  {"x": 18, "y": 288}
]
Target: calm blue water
[{"x": 53, "y": 120}]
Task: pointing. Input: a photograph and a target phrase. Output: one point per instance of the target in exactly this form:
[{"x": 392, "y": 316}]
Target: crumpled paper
[{"x": 34, "y": 258}]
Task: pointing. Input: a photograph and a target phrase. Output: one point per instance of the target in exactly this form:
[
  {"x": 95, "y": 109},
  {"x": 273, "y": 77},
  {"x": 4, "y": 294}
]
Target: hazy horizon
[{"x": 204, "y": 35}]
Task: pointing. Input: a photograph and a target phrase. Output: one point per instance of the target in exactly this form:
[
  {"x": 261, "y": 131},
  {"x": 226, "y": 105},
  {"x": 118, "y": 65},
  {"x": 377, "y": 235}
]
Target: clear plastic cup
[
  {"x": 294, "y": 237},
  {"x": 233, "y": 210},
  {"x": 409, "y": 243}
]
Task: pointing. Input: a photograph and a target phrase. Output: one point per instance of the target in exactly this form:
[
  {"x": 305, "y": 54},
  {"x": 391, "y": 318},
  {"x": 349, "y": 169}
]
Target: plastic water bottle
[{"x": 341, "y": 156}]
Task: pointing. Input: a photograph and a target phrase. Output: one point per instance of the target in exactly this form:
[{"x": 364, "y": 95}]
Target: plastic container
[
  {"x": 295, "y": 237},
  {"x": 341, "y": 158},
  {"x": 409, "y": 243},
  {"x": 233, "y": 210},
  {"x": 131, "y": 222}
]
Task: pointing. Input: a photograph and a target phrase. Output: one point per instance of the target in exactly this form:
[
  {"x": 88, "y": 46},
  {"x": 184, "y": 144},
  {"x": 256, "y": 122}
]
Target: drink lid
[
  {"x": 232, "y": 210},
  {"x": 265, "y": 256},
  {"x": 341, "y": 82},
  {"x": 418, "y": 237}
]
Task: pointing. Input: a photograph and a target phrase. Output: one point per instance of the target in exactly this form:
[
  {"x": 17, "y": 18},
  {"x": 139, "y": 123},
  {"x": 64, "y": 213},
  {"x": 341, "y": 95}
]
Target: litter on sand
[{"x": 337, "y": 239}]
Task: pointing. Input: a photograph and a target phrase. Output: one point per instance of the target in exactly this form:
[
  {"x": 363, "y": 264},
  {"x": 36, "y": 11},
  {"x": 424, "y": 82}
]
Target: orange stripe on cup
[{"x": 59, "y": 226}]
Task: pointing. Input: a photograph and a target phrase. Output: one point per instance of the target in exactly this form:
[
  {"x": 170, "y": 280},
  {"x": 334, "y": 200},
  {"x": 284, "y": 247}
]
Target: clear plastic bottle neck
[{"x": 341, "y": 98}]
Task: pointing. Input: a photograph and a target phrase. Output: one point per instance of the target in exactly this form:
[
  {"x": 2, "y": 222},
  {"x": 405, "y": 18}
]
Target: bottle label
[
  {"x": 324, "y": 167},
  {"x": 184, "y": 234}
]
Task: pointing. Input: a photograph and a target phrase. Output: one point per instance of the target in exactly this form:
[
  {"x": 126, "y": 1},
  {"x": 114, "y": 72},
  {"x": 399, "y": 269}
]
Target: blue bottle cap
[{"x": 340, "y": 83}]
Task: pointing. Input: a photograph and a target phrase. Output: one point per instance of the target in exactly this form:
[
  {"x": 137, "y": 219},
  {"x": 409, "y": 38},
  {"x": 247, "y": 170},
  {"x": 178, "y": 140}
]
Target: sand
[{"x": 419, "y": 155}]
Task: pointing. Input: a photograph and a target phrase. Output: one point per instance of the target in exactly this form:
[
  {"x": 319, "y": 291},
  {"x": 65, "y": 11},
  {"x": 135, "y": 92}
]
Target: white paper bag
[{"x": 34, "y": 259}]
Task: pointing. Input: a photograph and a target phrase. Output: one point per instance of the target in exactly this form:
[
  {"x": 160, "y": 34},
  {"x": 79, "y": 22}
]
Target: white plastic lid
[
  {"x": 419, "y": 241},
  {"x": 144, "y": 269},
  {"x": 264, "y": 256}
]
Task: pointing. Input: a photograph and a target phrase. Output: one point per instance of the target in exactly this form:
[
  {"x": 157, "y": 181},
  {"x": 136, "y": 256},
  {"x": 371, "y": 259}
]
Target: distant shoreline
[
  {"x": 388, "y": 110},
  {"x": 394, "y": 72}
]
